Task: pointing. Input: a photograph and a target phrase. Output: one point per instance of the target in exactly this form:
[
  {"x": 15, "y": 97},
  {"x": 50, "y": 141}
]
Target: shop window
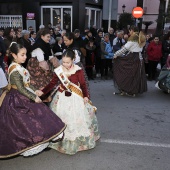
[
  {"x": 57, "y": 15},
  {"x": 93, "y": 17},
  {"x": 67, "y": 19},
  {"x": 46, "y": 16},
  {"x": 13, "y": 21}
]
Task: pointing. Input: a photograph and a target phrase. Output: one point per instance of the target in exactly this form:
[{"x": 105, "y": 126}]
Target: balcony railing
[{"x": 14, "y": 21}]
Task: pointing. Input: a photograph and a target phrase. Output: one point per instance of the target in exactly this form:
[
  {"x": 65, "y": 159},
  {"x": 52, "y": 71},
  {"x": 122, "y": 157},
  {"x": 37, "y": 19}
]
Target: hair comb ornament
[{"x": 12, "y": 43}]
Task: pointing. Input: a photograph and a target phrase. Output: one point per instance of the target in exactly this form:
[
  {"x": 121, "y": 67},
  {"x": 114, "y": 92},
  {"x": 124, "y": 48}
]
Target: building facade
[
  {"x": 69, "y": 14},
  {"x": 151, "y": 11},
  {"x": 72, "y": 14}
]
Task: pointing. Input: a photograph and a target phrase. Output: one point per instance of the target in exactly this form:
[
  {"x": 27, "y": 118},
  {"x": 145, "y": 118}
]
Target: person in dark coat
[
  {"x": 165, "y": 49},
  {"x": 58, "y": 48},
  {"x": 24, "y": 40}
]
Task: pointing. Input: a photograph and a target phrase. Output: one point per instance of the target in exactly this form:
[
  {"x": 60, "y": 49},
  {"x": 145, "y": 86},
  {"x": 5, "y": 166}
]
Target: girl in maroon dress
[{"x": 71, "y": 103}]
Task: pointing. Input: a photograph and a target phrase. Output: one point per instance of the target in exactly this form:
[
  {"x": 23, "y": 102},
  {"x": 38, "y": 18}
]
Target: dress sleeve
[
  {"x": 32, "y": 87},
  {"x": 51, "y": 85},
  {"x": 126, "y": 48},
  {"x": 16, "y": 79},
  {"x": 82, "y": 82},
  {"x": 39, "y": 54}
]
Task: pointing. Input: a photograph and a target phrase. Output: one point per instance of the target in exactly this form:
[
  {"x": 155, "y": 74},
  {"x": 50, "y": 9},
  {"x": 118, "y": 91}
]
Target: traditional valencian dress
[
  {"x": 82, "y": 128},
  {"x": 26, "y": 127},
  {"x": 40, "y": 65},
  {"x": 128, "y": 68}
]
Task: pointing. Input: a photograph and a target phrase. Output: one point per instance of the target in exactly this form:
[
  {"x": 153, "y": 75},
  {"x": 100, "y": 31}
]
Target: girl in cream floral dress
[{"x": 71, "y": 103}]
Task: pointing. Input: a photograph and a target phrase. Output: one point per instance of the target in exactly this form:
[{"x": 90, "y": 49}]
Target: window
[
  {"x": 93, "y": 17},
  {"x": 14, "y": 21},
  {"x": 57, "y": 15}
]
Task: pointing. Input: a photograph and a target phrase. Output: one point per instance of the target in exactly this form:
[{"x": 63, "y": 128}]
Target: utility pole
[
  {"x": 110, "y": 13},
  {"x": 140, "y": 4},
  {"x": 160, "y": 21}
]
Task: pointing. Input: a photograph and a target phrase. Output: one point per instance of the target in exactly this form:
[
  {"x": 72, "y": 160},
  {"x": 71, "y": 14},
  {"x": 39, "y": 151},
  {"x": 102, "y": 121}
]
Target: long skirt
[
  {"x": 25, "y": 125},
  {"x": 82, "y": 127},
  {"x": 39, "y": 77},
  {"x": 129, "y": 74}
]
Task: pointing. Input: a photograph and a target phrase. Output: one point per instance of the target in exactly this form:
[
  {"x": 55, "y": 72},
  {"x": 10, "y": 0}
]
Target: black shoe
[
  {"x": 47, "y": 149},
  {"x": 131, "y": 95}
]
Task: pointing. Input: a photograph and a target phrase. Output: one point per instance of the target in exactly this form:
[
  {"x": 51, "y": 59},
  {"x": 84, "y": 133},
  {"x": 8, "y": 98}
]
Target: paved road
[{"x": 135, "y": 135}]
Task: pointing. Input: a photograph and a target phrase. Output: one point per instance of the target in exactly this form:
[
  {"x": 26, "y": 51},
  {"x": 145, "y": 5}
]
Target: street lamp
[{"x": 123, "y": 8}]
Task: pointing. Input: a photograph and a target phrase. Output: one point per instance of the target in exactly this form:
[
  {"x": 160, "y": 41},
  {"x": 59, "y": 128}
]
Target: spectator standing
[
  {"x": 111, "y": 35},
  {"x": 106, "y": 56},
  {"x": 41, "y": 28},
  {"x": 57, "y": 32},
  {"x": 90, "y": 48},
  {"x": 98, "y": 53},
  {"x": 24, "y": 40},
  {"x": 58, "y": 48},
  {"x": 32, "y": 37},
  {"x": 118, "y": 42},
  {"x": 165, "y": 49},
  {"x": 52, "y": 39},
  {"x": 154, "y": 52}
]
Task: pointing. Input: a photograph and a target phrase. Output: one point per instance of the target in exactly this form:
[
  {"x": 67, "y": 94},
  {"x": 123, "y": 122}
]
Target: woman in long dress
[
  {"x": 42, "y": 62},
  {"x": 26, "y": 124},
  {"x": 128, "y": 66},
  {"x": 71, "y": 103}
]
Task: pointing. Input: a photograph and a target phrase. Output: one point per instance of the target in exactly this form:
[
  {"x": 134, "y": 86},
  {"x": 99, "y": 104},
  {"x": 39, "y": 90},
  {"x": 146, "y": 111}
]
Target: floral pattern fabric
[
  {"x": 39, "y": 77},
  {"x": 82, "y": 127}
]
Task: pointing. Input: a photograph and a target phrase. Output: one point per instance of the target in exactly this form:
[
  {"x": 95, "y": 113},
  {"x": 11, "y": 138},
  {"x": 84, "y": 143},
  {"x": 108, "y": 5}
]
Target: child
[
  {"x": 71, "y": 104},
  {"x": 26, "y": 124}
]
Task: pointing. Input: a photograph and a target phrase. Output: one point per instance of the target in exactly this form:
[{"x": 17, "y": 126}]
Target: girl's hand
[
  {"x": 39, "y": 93},
  {"x": 38, "y": 100},
  {"x": 86, "y": 100}
]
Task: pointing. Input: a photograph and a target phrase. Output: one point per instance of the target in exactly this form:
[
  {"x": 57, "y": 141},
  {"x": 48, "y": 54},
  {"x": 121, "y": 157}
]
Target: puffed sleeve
[
  {"x": 51, "y": 85},
  {"x": 126, "y": 48},
  {"x": 32, "y": 87},
  {"x": 16, "y": 79},
  {"x": 82, "y": 82},
  {"x": 39, "y": 54}
]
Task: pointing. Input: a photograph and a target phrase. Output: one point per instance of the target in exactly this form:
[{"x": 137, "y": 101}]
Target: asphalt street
[{"x": 135, "y": 135}]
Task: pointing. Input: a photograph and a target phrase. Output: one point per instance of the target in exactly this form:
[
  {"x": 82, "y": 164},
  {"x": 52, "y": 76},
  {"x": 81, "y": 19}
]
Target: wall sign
[{"x": 30, "y": 15}]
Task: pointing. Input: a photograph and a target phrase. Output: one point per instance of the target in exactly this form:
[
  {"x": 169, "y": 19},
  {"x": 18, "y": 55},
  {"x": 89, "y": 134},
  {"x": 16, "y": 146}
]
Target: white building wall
[
  {"x": 130, "y": 4},
  {"x": 151, "y": 8},
  {"x": 151, "y": 12}
]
